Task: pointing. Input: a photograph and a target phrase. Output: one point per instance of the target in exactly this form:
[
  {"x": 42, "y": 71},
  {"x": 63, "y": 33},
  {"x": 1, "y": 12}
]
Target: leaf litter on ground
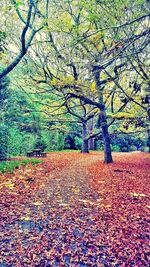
[{"x": 73, "y": 210}]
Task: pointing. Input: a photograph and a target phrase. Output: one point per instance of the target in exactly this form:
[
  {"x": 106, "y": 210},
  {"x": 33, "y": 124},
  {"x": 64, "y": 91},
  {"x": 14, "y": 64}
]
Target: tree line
[{"x": 85, "y": 66}]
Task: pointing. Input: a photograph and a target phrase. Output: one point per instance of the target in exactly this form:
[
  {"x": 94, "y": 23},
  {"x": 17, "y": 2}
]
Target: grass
[
  {"x": 69, "y": 150},
  {"x": 10, "y": 166},
  {"x": 65, "y": 150}
]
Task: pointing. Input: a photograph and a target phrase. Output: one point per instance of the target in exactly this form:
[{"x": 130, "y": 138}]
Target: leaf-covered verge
[
  {"x": 73, "y": 210},
  {"x": 10, "y": 166}
]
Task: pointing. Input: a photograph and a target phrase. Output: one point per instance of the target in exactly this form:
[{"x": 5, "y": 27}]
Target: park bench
[{"x": 36, "y": 153}]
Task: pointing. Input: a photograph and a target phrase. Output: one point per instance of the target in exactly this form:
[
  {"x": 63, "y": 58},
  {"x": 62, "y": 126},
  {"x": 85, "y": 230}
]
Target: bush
[
  {"x": 3, "y": 141},
  {"x": 145, "y": 149},
  {"x": 124, "y": 149},
  {"x": 47, "y": 138},
  {"x": 15, "y": 142},
  {"x": 19, "y": 142},
  {"x": 133, "y": 148},
  {"x": 27, "y": 143},
  {"x": 99, "y": 145},
  {"x": 69, "y": 142},
  {"x": 115, "y": 148},
  {"x": 40, "y": 143},
  {"x": 59, "y": 141},
  {"x": 78, "y": 143}
]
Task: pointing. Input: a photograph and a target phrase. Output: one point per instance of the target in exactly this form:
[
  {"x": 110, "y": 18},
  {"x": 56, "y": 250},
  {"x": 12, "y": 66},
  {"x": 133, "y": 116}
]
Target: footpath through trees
[{"x": 74, "y": 210}]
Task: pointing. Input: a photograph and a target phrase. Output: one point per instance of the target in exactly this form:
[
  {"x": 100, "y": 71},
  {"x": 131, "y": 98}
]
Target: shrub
[
  {"x": 59, "y": 141},
  {"x": 145, "y": 149},
  {"x": 78, "y": 142},
  {"x": 133, "y": 148},
  {"x": 99, "y": 145},
  {"x": 3, "y": 141},
  {"x": 40, "y": 143},
  {"x": 15, "y": 142},
  {"x": 124, "y": 149},
  {"x": 115, "y": 148}
]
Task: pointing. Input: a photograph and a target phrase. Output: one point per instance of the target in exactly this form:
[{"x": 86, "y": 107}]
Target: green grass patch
[
  {"x": 69, "y": 150},
  {"x": 10, "y": 166},
  {"x": 65, "y": 150}
]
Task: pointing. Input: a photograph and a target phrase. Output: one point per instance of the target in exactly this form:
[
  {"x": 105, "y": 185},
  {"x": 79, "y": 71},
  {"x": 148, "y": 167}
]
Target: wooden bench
[
  {"x": 43, "y": 154},
  {"x": 30, "y": 154},
  {"x": 36, "y": 153}
]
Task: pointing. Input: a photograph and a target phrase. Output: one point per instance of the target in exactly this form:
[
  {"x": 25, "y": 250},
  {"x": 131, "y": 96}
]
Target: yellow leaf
[
  {"x": 9, "y": 184},
  {"x": 25, "y": 218},
  {"x": 76, "y": 190},
  {"x": 137, "y": 195},
  {"x": 37, "y": 203}
]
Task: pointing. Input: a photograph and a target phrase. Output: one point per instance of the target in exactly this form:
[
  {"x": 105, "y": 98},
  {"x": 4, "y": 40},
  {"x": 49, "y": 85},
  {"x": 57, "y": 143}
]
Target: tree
[
  {"x": 135, "y": 92},
  {"x": 101, "y": 37},
  {"x": 84, "y": 117},
  {"x": 30, "y": 17}
]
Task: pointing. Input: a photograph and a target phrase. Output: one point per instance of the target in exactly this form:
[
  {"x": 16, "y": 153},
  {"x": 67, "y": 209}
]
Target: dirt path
[
  {"x": 73, "y": 210},
  {"x": 72, "y": 182}
]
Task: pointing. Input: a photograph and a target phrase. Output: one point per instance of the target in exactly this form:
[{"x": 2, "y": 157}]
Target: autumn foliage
[{"x": 73, "y": 210}]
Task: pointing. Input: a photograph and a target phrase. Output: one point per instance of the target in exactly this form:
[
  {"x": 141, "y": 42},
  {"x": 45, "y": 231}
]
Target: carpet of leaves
[{"x": 73, "y": 210}]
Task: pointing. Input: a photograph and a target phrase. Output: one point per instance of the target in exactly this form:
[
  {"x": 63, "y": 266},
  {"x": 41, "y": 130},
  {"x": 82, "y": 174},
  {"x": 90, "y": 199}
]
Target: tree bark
[
  {"x": 91, "y": 144},
  {"x": 103, "y": 118},
  {"x": 148, "y": 140},
  {"x": 90, "y": 130},
  {"x": 106, "y": 138},
  {"x": 85, "y": 147},
  {"x": 12, "y": 65},
  {"x": 148, "y": 131},
  {"x": 26, "y": 39}
]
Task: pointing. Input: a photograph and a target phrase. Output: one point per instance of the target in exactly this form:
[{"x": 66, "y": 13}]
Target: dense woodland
[{"x": 74, "y": 75}]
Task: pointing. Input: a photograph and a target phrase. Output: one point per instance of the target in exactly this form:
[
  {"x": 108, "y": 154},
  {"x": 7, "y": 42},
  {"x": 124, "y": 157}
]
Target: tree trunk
[
  {"x": 106, "y": 138},
  {"x": 90, "y": 130},
  {"x": 148, "y": 132},
  {"x": 91, "y": 144},
  {"x": 103, "y": 117},
  {"x": 148, "y": 140},
  {"x": 85, "y": 148}
]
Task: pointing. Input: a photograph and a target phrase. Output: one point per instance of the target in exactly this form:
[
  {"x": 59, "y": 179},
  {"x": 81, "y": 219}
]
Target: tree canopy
[{"x": 78, "y": 74}]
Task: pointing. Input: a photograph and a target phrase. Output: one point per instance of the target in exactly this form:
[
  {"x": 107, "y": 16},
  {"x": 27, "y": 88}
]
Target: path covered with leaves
[{"x": 72, "y": 210}]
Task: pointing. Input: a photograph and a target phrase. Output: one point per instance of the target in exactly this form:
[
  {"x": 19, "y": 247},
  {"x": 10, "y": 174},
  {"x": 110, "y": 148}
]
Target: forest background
[{"x": 74, "y": 75}]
